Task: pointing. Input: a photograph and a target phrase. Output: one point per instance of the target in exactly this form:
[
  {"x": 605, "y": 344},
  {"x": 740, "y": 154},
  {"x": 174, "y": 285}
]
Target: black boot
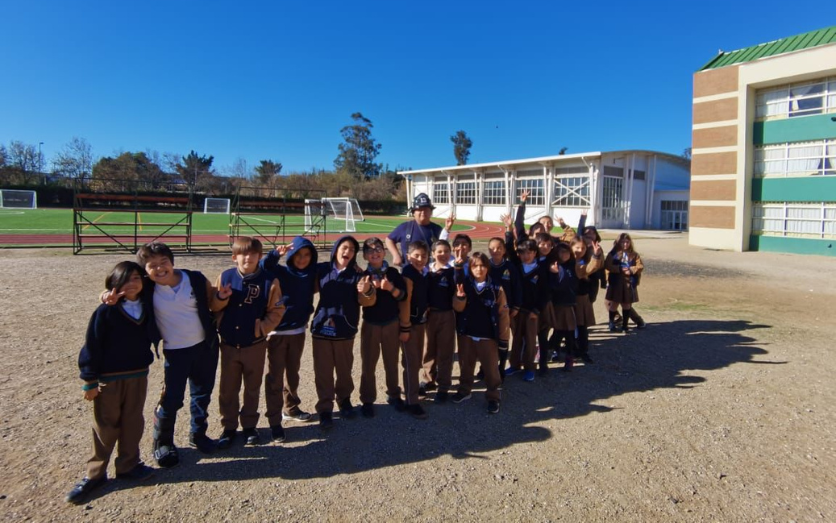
[
  {"x": 640, "y": 324},
  {"x": 165, "y": 453},
  {"x": 625, "y": 322}
]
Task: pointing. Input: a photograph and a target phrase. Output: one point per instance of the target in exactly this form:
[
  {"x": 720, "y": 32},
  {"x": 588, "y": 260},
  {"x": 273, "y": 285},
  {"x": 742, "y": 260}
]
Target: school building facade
[
  {"x": 763, "y": 168},
  {"x": 632, "y": 189}
]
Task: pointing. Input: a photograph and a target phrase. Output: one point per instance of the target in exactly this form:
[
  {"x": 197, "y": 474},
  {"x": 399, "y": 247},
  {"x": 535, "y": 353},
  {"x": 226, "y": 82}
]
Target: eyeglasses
[{"x": 374, "y": 249}]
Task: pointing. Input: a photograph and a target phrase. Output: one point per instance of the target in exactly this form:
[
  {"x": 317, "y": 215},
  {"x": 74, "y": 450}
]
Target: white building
[{"x": 620, "y": 189}]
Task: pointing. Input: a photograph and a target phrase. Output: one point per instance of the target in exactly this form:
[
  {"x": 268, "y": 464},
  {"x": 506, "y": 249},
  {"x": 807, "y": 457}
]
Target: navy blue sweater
[
  {"x": 564, "y": 289},
  {"x": 115, "y": 343},
  {"x": 298, "y": 286},
  {"x": 386, "y": 308},
  {"x": 419, "y": 299},
  {"x": 508, "y": 275},
  {"x": 480, "y": 317},
  {"x": 245, "y": 307},
  {"x": 442, "y": 288}
]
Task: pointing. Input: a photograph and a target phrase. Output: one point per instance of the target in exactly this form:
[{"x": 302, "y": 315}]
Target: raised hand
[
  {"x": 524, "y": 196},
  {"x": 584, "y": 212},
  {"x": 363, "y": 285},
  {"x": 225, "y": 291},
  {"x": 385, "y": 284},
  {"x": 555, "y": 268},
  {"x": 111, "y": 297},
  {"x": 448, "y": 223},
  {"x": 281, "y": 250},
  {"x": 596, "y": 248},
  {"x": 460, "y": 290},
  {"x": 507, "y": 220}
]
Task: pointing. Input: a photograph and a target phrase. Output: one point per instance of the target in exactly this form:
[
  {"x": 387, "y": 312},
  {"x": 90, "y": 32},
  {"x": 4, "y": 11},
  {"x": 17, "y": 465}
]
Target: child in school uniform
[
  {"x": 507, "y": 274},
  {"x": 286, "y": 343},
  {"x": 563, "y": 283},
  {"x": 534, "y": 279},
  {"x": 589, "y": 256},
  {"x": 483, "y": 329},
  {"x": 416, "y": 276},
  {"x": 546, "y": 322},
  {"x": 183, "y": 301},
  {"x": 244, "y": 319},
  {"x": 625, "y": 268},
  {"x": 114, "y": 365},
  {"x": 342, "y": 291},
  {"x": 437, "y": 362},
  {"x": 382, "y": 327}
]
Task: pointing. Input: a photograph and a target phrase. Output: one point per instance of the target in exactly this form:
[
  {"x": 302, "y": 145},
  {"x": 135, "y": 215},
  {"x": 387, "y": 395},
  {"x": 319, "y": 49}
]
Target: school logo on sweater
[
  {"x": 443, "y": 282},
  {"x": 329, "y": 329},
  {"x": 506, "y": 275},
  {"x": 534, "y": 279}
]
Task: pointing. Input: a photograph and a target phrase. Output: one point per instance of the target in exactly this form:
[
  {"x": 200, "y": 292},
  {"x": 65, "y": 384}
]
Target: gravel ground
[{"x": 721, "y": 410}]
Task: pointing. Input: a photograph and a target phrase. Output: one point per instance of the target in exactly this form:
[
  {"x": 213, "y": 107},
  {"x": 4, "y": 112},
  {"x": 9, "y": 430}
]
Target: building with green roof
[{"x": 763, "y": 169}]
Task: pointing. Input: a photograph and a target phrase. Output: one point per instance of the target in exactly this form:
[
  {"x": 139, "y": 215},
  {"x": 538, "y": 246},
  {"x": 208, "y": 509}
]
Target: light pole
[{"x": 41, "y": 163}]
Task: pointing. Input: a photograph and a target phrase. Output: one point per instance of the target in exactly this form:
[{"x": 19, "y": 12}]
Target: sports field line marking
[
  {"x": 11, "y": 213},
  {"x": 94, "y": 221},
  {"x": 139, "y": 220}
]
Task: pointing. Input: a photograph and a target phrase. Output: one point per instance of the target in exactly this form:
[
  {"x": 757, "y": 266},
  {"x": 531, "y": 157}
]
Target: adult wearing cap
[{"x": 419, "y": 228}]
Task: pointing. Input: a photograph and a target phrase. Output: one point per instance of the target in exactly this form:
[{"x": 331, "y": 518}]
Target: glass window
[
  {"x": 441, "y": 193},
  {"x": 571, "y": 191},
  {"x": 535, "y": 189},
  {"x": 796, "y": 159},
  {"x": 802, "y": 99},
  {"x": 466, "y": 193},
  {"x": 494, "y": 193},
  {"x": 803, "y": 220}
]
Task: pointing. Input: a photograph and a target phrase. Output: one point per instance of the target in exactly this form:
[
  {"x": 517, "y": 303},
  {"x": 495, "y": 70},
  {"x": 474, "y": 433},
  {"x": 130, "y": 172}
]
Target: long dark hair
[{"x": 121, "y": 274}]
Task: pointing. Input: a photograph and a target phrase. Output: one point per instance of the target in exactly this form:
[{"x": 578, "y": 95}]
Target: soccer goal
[
  {"x": 216, "y": 206},
  {"x": 342, "y": 213},
  {"x": 11, "y": 199}
]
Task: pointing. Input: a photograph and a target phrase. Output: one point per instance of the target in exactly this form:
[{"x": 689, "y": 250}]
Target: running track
[{"x": 477, "y": 231}]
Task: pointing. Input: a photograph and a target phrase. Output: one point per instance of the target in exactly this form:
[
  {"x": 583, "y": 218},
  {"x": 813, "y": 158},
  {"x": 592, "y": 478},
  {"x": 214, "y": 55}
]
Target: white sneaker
[{"x": 300, "y": 416}]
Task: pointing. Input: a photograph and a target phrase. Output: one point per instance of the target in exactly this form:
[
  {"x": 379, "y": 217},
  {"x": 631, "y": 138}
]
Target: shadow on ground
[{"x": 656, "y": 358}]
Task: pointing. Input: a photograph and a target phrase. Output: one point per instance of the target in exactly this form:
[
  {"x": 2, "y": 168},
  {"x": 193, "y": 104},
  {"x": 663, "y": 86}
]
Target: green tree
[
  {"x": 461, "y": 147},
  {"x": 127, "y": 172},
  {"x": 75, "y": 160},
  {"x": 359, "y": 151},
  {"x": 266, "y": 172},
  {"x": 197, "y": 170}
]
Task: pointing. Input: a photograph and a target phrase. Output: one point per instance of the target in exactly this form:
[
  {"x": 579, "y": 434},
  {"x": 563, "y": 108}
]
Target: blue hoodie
[
  {"x": 298, "y": 286},
  {"x": 337, "y": 314}
]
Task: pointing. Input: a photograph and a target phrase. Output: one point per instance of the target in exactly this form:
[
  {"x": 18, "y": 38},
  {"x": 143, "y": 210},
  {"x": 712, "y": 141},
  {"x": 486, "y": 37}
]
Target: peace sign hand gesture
[
  {"x": 448, "y": 223},
  {"x": 460, "y": 290},
  {"x": 111, "y": 297},
  {"x": 225, "y": 291},
  {"x": 281, "y": 250}
]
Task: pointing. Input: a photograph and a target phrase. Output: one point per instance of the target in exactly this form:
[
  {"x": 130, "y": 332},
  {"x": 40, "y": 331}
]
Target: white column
[
  {"x": 594, "y": 199},
  {"x": 480, "y": 192}
]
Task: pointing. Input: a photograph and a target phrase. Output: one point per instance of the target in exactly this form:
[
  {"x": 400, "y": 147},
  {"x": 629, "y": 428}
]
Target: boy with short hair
[
  {"x": 183, "y": 321},
  {"x": 286, "y": 343},
  {"x": 416, "y": 276},
  {"x": 441, "y": 325},
  {"x": 342, "y": 291},
  {"x": 380, "y": 332},
  {"x": 244, "y": 320},
  {"x": 507, "y": 275},
  {"x": 534, "y": 285}
]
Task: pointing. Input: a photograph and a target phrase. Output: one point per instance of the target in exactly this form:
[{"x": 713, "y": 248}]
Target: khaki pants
[
  {"x": 374, "y": 340},
  {"x": 524, "y": 347},
  {"x": 281, "y": 385},
  {"x": 486, "y": 353},
  {"x": 330, "y": 357},
  {"x": 438, "y": 356},
  {"x": 240, "y": 365},
  {"x": 117, "y": 416},
  {"x": 411, "y": 361}
]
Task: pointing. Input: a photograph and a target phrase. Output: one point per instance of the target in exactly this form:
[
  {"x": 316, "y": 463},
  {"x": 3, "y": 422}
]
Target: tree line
[{"x": 356, "y": 172}]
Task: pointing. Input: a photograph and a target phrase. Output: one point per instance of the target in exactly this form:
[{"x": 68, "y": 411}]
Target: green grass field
[{"x": 60, "y": 222}]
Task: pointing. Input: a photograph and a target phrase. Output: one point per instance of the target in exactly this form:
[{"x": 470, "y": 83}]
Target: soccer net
[
  {"x": 11, "y": 199},
  {"x": 341, "y": 214},
  {"x": 216, "y": 206}
]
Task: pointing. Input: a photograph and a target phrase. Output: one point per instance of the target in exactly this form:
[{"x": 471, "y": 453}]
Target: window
[
  {"x": 796, "y": 159},
  {"x": 802, "y": 99},
  {"x": 441, "y": 193},
  {"x": 571, "y": 191},
  {"x": 612, "y": 208},
  {"x": 801, "y": 220},
  {"x": 674, "y": 205},
  {"x": 466, "y": 193},
  {"x": 494, "y": 193},
  {"x": 639, "y": 175},
  {"x": 618, "y": 172},
  {"x": 535, "y": 189},
  {"x": 674, "y": 216}
]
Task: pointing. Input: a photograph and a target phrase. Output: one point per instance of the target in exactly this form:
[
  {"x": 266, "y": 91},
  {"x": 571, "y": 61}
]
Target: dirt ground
[{"x": 721, "y": 410}]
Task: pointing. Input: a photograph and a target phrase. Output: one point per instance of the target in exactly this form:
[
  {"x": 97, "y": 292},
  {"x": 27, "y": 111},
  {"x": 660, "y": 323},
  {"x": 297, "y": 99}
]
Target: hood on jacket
[
  {"x": 341, "y": 240},
  {"x": 300, "y": 243}
]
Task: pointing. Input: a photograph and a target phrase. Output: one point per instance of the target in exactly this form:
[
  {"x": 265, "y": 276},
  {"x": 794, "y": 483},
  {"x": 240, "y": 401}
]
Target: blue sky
[{"x": 277, "y": 80}]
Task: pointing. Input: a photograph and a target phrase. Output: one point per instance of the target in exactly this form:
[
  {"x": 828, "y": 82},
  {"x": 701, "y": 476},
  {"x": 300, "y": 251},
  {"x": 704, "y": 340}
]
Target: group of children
[{"x": 445, "y": 296}]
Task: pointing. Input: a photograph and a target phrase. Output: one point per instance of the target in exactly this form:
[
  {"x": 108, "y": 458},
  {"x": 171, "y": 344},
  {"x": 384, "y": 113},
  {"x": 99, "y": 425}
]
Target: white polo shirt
[{"x": 177, "y": 316}]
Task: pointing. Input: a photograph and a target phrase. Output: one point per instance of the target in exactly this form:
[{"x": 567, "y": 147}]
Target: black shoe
[
  {"x": 493, "y": 407},
  {"x": 641, "y": 325},
  {"x": 441, "y": 397},
  {"x": 277, "y": 433},
  {"x": 587, "y": 359},
  {"x": 459, "y": 397},
  {"x": 543, "y": 371},
  {"x": 367, "y": 410},
  {"x": 397, "y": 402},
  {"x": 83, "y": 489},
  {"x": 251, "y": 436},
  {"x": 480, "y": 375},
  {"x": 202, "y": 443},
  {"x": 141, "y": 472},
  {"x": 326, "y": 420},
  {"x": 417, "y": 411},
  {"x": 226, "y": 439},
  {"x": 165, "y": 454},
  {"x": 347, "y": 409}
]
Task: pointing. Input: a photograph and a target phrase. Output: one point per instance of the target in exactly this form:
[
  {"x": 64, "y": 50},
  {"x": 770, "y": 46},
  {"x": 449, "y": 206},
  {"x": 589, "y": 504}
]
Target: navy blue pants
[{"x": 197, "y": 365}]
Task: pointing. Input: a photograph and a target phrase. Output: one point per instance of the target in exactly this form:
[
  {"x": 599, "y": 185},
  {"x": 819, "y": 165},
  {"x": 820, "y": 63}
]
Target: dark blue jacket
[
  {"x": 298, "y": 286},
  {"x": 386, "y": 308},
  {"x": 481, "y": 315},
  {"x": 508, "y": 275},
  {"x": 564, "y": 286},
  {"x": 442, "y": 288},
  {"x": 419, "y": 297},
  {"x": 337, "y": 314},
  {"x": 246, "y": 307},
  {"x": 115, "y": 343}
]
